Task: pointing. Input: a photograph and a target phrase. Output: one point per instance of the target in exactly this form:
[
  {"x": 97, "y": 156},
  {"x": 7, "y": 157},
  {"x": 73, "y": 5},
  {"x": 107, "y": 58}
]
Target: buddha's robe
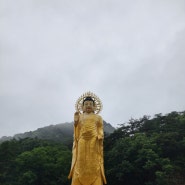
[{"x": 87, "y": 166}]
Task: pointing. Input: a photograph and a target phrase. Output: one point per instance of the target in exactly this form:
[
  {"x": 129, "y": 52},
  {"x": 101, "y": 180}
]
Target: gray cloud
[{"x": 129, "y": 53}]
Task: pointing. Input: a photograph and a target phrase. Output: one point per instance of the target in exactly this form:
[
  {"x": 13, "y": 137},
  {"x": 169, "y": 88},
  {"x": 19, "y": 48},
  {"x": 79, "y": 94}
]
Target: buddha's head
[{"x": 88, "y": 105}]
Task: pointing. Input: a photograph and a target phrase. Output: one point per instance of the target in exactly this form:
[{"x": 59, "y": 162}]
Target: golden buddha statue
[{"x": 87, "y": 166}]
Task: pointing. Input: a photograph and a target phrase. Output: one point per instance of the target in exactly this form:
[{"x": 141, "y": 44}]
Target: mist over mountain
[{"x": 62, "y": 132}]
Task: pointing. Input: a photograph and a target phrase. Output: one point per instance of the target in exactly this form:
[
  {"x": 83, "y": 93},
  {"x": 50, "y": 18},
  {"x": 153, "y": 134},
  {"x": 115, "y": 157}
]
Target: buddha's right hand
[{"x": 76, "y": 117}]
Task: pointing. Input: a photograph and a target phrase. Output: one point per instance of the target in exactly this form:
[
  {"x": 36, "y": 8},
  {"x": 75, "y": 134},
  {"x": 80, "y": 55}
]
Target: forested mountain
[
  {"x": 62, "y": 132},
  {"x": 145, "y": 151}
]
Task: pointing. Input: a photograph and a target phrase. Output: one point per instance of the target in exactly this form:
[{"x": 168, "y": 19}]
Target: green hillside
[
  {"x": 62, "y": 132},
  {"x": 144, "y": 151}
]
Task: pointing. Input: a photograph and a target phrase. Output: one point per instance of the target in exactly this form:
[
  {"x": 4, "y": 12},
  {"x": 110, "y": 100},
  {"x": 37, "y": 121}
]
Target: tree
[{"x": 43, "y": 165}]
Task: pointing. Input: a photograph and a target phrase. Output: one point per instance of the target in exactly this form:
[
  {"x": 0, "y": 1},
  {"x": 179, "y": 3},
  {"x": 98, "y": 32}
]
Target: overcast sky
[{"x": 130, "y": 53}]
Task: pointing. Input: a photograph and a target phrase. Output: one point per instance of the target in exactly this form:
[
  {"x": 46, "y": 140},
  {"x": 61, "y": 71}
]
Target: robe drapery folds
[{"x": 87, "y": 166}]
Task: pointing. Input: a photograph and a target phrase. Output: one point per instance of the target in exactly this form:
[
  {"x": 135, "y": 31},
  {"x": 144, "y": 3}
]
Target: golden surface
[
  {"x": 98, "y": 104},
  {"x": 87, "y": 162}
]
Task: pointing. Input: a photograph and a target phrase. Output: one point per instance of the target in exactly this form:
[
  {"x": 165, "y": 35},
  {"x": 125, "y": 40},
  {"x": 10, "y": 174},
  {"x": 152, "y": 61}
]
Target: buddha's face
[{"x": 88, "y": 106}]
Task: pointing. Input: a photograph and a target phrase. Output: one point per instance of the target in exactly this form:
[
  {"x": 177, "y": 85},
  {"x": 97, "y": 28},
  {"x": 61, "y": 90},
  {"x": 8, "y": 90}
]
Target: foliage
[
  {"x": 147, "y": 151},
  {"x": 43, "y": 165},
  {"x": 33, "y": 161}
]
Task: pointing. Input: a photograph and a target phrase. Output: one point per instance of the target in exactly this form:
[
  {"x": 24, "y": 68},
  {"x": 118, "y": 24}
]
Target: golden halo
[{"x": 97, "y": 101}]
